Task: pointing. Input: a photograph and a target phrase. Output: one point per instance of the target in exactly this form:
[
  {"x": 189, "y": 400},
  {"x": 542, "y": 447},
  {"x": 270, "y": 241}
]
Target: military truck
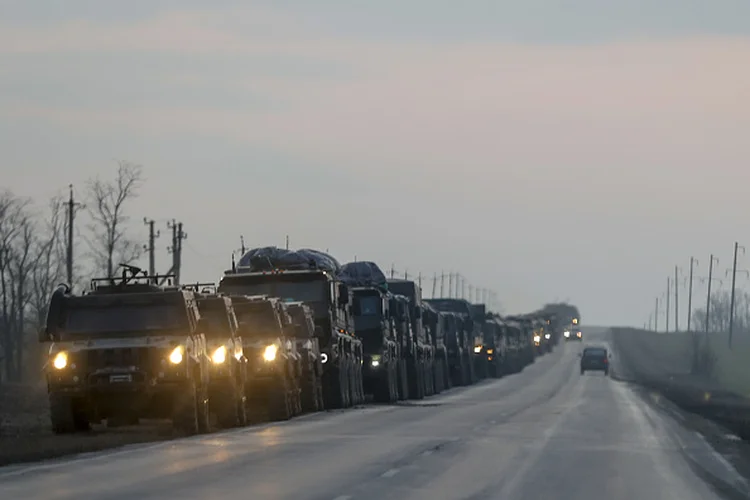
[
  {"x": 433, "y": 322},
  {"x": 305, "y": 276},
  {"x": 127, "y": 349},
  {"x": 410, "y": 374},
  {"x": 306, "y": 338},
  {"x": 274, "y": 371},
  {"x": 470, "y": 332},
  {"x": 228, "y": 367},
  {"x": 457, "y": 347},
  {"x": 375, "y": 327},
  {"x": 494, "y": 347},
  {"x": 425, "y": 361},
  {"x": 515, "y": 346},
  {"x": 481, "y": 361}
]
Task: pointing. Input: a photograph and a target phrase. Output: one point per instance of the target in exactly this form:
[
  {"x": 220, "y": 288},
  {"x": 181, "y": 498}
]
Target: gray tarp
[
  {"x": 268, "y": 258},
  {"x": 362, "y": 273}
]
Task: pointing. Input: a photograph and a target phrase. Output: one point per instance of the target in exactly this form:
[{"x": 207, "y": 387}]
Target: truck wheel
[
  {"x": 61, "y": 414},
  {"x": 185, "y": 411},
  {"x": 228, "y": 405},
  {"x": 333, "y": 390},
  {"x": 279, "y": 407},
  {"x": 241, "y": 407},
  {"x": 309, "y": 394}
]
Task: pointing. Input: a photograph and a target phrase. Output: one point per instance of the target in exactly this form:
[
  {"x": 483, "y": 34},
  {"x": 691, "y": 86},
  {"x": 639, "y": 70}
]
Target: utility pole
[
  {"x": 419, "y": 280},
  {"x": 656, "y": 315},
  {"x": 287, "y": 242},
  {"x": 242, "y": 244},
  {"x": 667, "y": 313},
  {"x": 393, "y": 270},
  {"x": 450, "y": 285},
  {"x": 150, "y": 248},
  {"x": 442, "y": 284},
  {"x": 708, "y": 295},
  {"x": 731, "y": 300},
  {"x": 693, "y": 260},
  {"x": 463, "y": 287},
  {"x": 72, "y": 207},
  {"x": 178, "y": 235},
  {"x": 676, "y": 302}
]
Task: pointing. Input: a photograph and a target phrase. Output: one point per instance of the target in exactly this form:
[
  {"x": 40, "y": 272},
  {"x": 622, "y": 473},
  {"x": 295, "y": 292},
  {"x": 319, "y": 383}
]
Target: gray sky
[{"x": 543, "y": 148}]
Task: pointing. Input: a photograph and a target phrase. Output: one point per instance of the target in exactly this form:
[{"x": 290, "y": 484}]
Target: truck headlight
[
  {"x": 537, "y": 338},
  {"x": 219, "y": 355},
  {"x": 323, "y": 357},
  {"x": 547, "y": 336},
  {"x": 567, "y": 334},
  {"x": 477, "y": 349},
  {"x": 61, "y": 360},
  {"x": 269, "y": 354},
  {"x": 375, "y": 361},
  {"x": 175, "y": 357}
]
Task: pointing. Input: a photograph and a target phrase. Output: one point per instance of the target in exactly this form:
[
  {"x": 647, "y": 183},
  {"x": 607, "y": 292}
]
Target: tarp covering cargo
[
  {"x": 269, "y": 258},
  {"x": 362, "y": 274}
]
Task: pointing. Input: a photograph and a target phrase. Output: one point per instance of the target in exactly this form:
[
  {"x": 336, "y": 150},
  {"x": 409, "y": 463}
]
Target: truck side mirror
[
  {"x": 44, "y": 335},
  {"x": 343, "y": 294}
]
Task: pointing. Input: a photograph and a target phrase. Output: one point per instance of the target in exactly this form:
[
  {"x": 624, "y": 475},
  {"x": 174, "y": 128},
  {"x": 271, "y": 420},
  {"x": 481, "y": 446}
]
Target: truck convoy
[{"x": 284, "y": 332}]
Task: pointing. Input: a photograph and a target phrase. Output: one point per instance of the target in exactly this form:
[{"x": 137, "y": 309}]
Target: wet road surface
[{"x": 547, "y": 432}]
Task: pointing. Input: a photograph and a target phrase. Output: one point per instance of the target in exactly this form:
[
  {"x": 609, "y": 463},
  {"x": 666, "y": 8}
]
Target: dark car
[{"x": 596, "y": 359}]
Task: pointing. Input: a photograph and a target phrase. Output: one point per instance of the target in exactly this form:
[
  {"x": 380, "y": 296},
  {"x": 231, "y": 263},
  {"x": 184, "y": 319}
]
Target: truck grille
[{"x": 124, "y": 357}]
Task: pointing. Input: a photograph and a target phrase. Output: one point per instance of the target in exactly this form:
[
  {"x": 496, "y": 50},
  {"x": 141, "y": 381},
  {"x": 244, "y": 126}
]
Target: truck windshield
[
  {"x": 367, "y": 305},
  {"x": 123, "y": 318},
  {"x": 288, "y": 287}
]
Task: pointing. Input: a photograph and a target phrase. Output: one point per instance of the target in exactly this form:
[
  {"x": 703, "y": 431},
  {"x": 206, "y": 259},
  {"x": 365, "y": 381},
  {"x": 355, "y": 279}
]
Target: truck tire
[
  {"x": 279, "y": 401},
  {"x": 403, "y": 380},
  {"x": 416, "y": 379},
  {"x": 437, "y": 377},
  {"x": 333, "y": 390},
  {"x": 185, "y": 410},
  {"x": 309, "y": 394},
  {"x": 61, "y": 413}
]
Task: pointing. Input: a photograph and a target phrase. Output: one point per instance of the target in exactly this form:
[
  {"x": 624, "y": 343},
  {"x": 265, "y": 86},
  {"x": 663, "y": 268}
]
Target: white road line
[
  {"x": 343, "y": 497},
  {"x": 427, "y": 453},
  {"x": 389, "y": 473}
]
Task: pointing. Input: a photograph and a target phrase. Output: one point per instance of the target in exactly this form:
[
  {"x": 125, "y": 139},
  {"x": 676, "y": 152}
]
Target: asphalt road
[{"x": 545, "y": 433}]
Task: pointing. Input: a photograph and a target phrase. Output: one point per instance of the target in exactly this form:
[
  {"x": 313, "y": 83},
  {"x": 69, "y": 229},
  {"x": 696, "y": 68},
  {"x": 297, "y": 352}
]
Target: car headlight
[
  {"x": 269, "y": 354},
  {"x": 219, "y": 355},
  {"x": 175, "y": 357},
  {"x": 375, "y": 360},
  {"x": 547, "y": 336},
  {"x": 578, "y": 334},
  {"x": 61, "y": 360},
  {"x": 537, "y": 338},
  {"x": 477, "y": 349},
  {"x": 567, "y": 334}
]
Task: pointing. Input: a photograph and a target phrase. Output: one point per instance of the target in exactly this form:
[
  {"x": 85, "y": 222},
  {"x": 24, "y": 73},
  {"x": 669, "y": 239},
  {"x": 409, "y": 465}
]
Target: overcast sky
[{"x": 543, "y": 148}]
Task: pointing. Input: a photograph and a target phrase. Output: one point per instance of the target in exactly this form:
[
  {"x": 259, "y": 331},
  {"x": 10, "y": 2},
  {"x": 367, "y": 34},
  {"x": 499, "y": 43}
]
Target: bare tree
[
  {"x": 107, "y": 200},
  {"x": 16, "y": 239},
  {"x": 49, "y": 253}
]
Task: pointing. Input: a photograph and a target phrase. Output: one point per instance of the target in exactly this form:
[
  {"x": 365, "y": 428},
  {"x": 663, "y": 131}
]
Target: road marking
[
  {"x": 389, "y": 473},
  {"x": 732, "y": 437},
  {"x": 427, "y": 453},
  {"x": 343, "y": 497}
]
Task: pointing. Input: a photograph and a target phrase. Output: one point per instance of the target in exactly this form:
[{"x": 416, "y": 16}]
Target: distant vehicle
[
  {"x": 596, "y": 359},
  {"x": 573, "y": 334}
]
